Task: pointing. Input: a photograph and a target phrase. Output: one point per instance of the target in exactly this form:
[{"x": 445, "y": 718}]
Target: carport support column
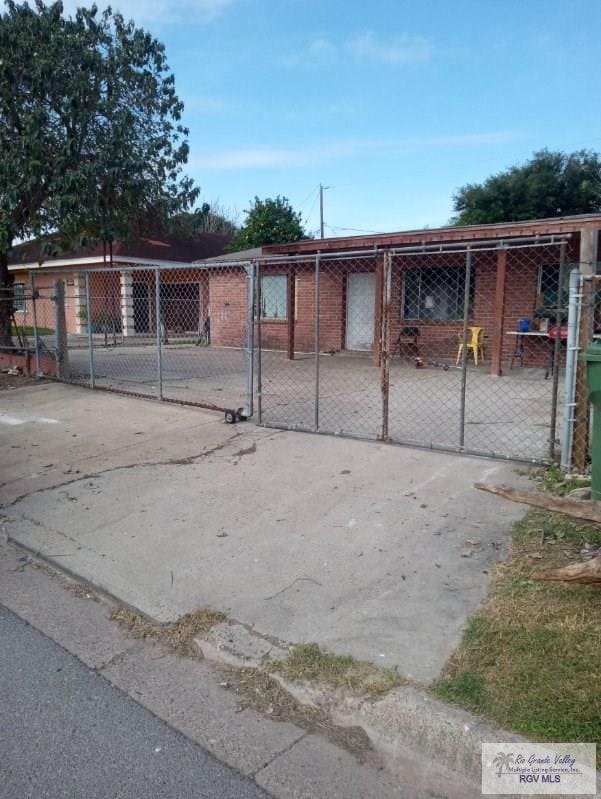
[
  {"x": 464, "y": 338},
  {"x": 291, "y": 305},
  {"x": 496, "y": 367},
  {"x": 379, "y": 292},
  {"x": 127, "y": 304},
  {"x": 385, "y": 342},
  {"x": 589, "y": 246}
]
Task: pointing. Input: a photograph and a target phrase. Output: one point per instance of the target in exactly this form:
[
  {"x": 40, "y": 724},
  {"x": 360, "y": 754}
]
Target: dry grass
[
  {"x": 531, "y": 659},
  {"x": 261, "y": 692},
  {"x": 178, "y": 636},
  {"x": 309, "y": 662}
]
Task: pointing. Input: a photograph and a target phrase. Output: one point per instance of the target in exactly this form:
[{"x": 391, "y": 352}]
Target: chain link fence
[
  {"x": 461, "y": 348},
  {"x": 583, "y": 327},
  {"x": 176, "y": 334}
]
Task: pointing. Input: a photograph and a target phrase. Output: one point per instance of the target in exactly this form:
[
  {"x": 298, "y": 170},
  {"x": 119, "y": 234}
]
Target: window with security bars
[
  {"x": 274, "y": 296},
  {"x": 552, "y": 298},
  {"x": 434, "y": 294},
  {"x": 19, "y": 296}
]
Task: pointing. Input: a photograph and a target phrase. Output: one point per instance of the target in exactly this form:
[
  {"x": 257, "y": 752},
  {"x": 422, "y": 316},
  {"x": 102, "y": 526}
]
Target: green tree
[
  {"x": 209, "y": 218},
  {"x": 270, "y": 221},
  {"x": 550, "y": 184},
  {"x": 90, "y": 129}
]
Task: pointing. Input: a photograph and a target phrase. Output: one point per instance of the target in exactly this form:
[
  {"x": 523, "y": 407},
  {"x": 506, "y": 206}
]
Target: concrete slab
[
  {"x": 312, "y": 768},
  {"x": 377, "y": 551},
  {"x": 51, "y": 433},
  {"x": 187, "y": 695}
]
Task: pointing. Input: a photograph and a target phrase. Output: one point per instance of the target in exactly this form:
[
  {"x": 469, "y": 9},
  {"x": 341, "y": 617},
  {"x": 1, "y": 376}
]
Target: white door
[{"x": 361, "y": 295}]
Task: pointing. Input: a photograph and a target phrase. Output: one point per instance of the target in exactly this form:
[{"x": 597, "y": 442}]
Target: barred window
[
  {"x": 274, "y": 297},
  {"x": 434, "y": 293},
  {"x": 19, "y": 296}
]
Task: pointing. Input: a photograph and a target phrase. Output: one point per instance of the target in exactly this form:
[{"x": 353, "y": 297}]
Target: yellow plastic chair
[{"x": 475, "y": 343}]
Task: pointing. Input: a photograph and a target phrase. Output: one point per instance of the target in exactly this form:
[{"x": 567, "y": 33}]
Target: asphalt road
[{"x": 66, "y": 732}]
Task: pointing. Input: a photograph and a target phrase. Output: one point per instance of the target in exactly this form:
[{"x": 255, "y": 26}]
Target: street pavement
[{"x": 66, "y": 732}]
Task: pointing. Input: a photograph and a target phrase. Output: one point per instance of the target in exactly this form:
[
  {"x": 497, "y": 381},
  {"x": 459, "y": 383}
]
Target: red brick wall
[{"x": 228, "y": 307}]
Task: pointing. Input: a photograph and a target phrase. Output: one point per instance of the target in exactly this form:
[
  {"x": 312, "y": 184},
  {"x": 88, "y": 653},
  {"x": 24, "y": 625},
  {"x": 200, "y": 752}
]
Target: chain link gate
[
  {"x": 180, "y": 334},
  {"x": 458, "y": 348}
]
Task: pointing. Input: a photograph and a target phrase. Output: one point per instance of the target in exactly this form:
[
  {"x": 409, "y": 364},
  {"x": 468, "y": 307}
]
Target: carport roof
[{"x": 443, "y": 235}]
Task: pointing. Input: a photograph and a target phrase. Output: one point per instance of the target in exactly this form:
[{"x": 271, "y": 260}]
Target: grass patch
[
  {"x": 178, "y": 636},
  {"x": 530, "y": 660},
  {"x": 28, "y": 331},
  {"x": 310, "y": 662},
  {"x": 553, "y": 480}
]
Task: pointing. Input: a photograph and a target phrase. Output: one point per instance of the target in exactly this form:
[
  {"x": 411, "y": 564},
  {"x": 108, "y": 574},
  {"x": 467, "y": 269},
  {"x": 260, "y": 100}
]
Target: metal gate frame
[
  {"x": 384, "y": 258},
  {"x": 59, "y": 344},
  {"x": 253, "y": 346}
]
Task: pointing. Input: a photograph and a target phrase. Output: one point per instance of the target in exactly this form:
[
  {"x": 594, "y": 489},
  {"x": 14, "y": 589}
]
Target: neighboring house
[{"x": 126, "y": 296}]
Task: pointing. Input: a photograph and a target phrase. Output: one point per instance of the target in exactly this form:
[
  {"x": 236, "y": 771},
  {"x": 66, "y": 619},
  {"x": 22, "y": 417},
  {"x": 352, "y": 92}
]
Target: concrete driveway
[{"x": 377, "y": 551}]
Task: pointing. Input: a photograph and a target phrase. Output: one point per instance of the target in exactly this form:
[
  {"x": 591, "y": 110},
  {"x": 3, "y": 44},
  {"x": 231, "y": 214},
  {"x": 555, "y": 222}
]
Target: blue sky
[{"x": 393, "y": 104}]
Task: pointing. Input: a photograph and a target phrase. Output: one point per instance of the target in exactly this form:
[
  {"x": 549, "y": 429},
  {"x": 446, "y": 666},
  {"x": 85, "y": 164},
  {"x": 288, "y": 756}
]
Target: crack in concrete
[{"x": 138, "y": 465}]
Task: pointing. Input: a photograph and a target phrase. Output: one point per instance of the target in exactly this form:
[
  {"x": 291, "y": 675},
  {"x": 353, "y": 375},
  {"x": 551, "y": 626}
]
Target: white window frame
[{"x": 269, "y": 316}]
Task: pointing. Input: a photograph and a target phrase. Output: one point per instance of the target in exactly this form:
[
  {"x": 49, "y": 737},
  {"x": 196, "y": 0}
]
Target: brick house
[
  {"x": 514, "y": 276},
  {"x": 515, "y": 269},
  {"x": 123, "y": 294}
]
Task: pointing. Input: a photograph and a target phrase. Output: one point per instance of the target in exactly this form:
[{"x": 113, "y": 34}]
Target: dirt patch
[
  {"x": 8, "y": 382},
  {"x": 310, "y": 662},
  {"x": 179, "y": 636}
]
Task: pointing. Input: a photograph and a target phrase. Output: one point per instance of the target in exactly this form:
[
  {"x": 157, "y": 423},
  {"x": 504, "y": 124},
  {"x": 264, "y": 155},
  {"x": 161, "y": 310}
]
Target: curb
[
  {"x": 411, "y": 730},
  {"x": 410, "y": 726}
]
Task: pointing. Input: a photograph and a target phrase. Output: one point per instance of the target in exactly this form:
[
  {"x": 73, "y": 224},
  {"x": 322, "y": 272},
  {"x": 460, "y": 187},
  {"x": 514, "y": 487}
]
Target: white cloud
[
  {"x": 320, "y": 152},
  {"x": 402, "y": 49},
  {"x": 145, "y": 11},
  {"x": 397, "y": 50}
]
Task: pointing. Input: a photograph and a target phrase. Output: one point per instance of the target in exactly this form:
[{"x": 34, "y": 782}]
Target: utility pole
[{"x": 321, "y": 191}]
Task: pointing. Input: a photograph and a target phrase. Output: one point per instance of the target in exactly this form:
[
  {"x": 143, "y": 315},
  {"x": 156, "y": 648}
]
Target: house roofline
[
  {"x": 500, "y": 230},
  {"x": 62, "y": 263}
]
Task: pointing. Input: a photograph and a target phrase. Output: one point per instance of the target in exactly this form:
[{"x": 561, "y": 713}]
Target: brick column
[{"x": 79, "y": 295}]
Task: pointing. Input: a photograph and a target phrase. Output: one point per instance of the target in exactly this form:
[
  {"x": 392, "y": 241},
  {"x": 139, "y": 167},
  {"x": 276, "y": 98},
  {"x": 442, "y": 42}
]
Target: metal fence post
[
  {"x": 90, "y": 336},
  {"x": 259, "y": 342},
  {"x": 464, "y": 338},
  {"x": 385, "y": 343},
  {"x": 572, "y": 349},
  {"x": 317, "y": 278},
  {"x": 250, "y": 338},
  {"x": 62, "y": 351},
  {"x": 36, "y": 341},
  {"x": 158, "y": 325},
  {"x": 557, "y": 350}
]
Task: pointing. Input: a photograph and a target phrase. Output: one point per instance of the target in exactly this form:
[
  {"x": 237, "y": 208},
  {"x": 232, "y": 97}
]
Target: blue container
[{"x": 524, "y": 325}]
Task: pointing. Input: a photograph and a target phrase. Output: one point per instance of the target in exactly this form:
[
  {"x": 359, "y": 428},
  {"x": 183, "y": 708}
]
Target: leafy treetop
[
  {"x": 550, "y": 184},
  {"x": 270, "y": 221}
]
